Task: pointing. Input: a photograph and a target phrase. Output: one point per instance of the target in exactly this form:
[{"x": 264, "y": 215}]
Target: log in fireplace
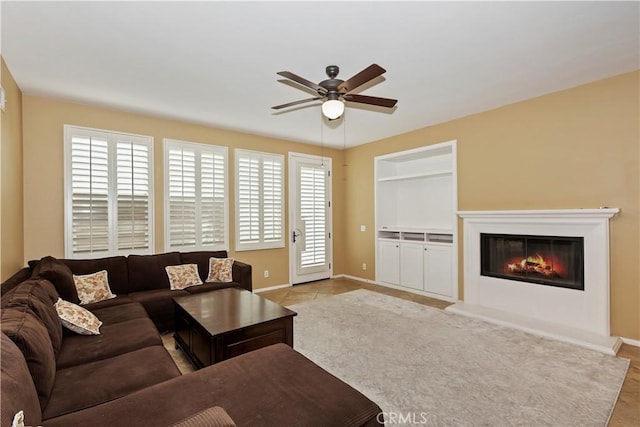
[{"x": 546, "y": 260}]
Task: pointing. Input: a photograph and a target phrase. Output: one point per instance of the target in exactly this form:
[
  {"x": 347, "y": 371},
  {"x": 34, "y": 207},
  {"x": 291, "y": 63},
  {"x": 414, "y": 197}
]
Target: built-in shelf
[
  {"x": 416, "y": 226},
  {"x": 432, "y": 236},
  {"x": 414, "y": 176}
]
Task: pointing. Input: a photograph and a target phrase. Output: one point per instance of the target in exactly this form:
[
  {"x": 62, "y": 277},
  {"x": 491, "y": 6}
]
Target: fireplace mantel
[
  {"x": 549, "y": 214},
  {"x": 577, "y": 316}
]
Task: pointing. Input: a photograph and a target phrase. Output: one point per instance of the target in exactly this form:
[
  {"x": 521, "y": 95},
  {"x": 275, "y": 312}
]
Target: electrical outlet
[
  {"x": 364, "y": 265},
  {"x": 266, "y": 273},
  {"x": 363, "y": 227}
]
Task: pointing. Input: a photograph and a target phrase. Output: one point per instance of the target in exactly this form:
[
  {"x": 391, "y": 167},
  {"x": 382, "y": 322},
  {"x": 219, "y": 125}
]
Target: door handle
[{"x": 295, "y": 235}]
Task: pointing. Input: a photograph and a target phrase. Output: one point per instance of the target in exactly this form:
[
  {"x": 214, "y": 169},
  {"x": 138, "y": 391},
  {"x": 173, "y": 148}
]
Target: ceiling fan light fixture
[{"x": 332, "y": 108}]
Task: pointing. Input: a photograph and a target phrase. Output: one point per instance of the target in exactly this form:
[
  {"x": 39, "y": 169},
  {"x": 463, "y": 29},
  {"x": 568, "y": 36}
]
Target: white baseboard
[
  {"x": 271, "y": 288},
  {"x": 635, "y": 343},
  {"x": 358, "y": 279}
]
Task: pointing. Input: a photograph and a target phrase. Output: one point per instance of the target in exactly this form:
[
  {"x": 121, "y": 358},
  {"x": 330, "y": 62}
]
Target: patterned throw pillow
[
  {"x": 220, "y": 270},
  {"x": 93, "y": 287},
  {"x": 77, "y": 319},
  {"x": 182, "y": 276}
]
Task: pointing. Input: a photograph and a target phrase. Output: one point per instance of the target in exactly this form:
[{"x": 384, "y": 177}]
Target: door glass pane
[{"x": 313, "y": 213}]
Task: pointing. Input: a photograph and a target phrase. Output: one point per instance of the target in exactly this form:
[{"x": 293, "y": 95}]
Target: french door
[{"x": 310, "y": 243}]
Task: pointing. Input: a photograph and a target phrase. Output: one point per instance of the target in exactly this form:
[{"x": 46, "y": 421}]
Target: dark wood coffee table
[{"x": 217, "y": 325}]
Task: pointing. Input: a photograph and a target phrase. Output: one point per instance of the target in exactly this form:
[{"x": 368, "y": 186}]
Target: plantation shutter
[
  {"x": 89, "y": 194},
  {"x": 272, "y": 200},
  {"x": 313, "y": 213},
  {"x": 197, "y": 196},
  {"x": 259, "y": 200},
  {"x": 248, "y": 204},
  {"x": 133, "y": 196},
  {"x": 108, "y": 185}
]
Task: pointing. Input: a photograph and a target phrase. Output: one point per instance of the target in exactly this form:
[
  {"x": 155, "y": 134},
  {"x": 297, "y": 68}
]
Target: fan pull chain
[{"x": 321, "y": 141}]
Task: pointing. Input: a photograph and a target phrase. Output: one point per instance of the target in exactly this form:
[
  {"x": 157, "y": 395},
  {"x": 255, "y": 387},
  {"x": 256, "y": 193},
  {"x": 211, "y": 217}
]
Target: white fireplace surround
[{"x": 580, "y": 317}]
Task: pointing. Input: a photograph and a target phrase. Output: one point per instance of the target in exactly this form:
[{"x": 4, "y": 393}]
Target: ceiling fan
[{"x": 335, "y": 91}]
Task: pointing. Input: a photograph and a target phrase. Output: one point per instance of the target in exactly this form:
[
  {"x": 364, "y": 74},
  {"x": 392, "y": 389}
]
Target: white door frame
[{"x": 292, "y": 165}]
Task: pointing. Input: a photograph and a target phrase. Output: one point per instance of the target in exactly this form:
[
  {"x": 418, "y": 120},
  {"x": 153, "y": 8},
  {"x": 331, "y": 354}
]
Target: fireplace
[
  {"x": 545, "y": 260},
  {"x": 526, "y": 250}
]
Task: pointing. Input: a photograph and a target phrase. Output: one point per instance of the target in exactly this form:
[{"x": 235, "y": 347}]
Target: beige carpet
[{"x": 425, "y": 366}]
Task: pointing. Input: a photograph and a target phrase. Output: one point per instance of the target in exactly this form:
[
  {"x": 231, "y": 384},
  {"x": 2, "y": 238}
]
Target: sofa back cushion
[
  {"x": 31, "y": 337},
  {"x": 201, "y": 259},
  {"x": 57, "y": 272},
  {"x": 147, "y": 272},
  {"x": 13, "y": 281},
  {"x": 39, "y": 296},
  {"x": 17, "y": 391},
  {"x": 115, "y": 266}
]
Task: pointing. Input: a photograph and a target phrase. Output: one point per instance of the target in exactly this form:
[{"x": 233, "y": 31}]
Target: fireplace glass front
[{"x": 546, "y": 260}]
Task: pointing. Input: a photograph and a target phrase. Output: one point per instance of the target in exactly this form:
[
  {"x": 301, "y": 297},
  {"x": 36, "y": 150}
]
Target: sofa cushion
[
  {"x": 120, "y": 313},
  {"x": 115, "y": 339},
  {"x": 159, "y": 305},
  {"x": 211, "y": 286},
  {"x": 201, "y": 259},
  {"x": 93, "y": 287},
  {"x": 182, "y": 276},
  {"x": 146, "y": 272},
  {"x": 13, "y": 281},
  {"x": 210, "y": 417},
  {"x": 272, "y": 386},
  {"x": 220, "y": 270},
  {"x": 115, "y": 266},
  {"x": 31, "y": 337},
  {"x": 118, "y": 300},
  {"x": 90, "y": 384},
  {"x": 77, "y": 319},
  {"x": 38, "y": 296},
  {"x": 60, "y": 275},
  {"x": 17, "y": 391}
]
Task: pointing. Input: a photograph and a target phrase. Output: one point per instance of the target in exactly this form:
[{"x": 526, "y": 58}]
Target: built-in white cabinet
[
  {"x": 437, "y": 269},
  {"x": 389, "y": 261},
  {"x": 411, "y": 271},
  {"x": 416, "y": 201}
]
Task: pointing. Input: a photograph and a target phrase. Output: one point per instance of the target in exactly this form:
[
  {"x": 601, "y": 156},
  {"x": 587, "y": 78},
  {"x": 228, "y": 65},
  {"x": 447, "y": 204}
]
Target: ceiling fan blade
[
  {"x": 291, "y": 104},
  {"x": 369, "y": 73},
  {"x": 303, "y": 81},
  {"x": 371, "y": 100}
]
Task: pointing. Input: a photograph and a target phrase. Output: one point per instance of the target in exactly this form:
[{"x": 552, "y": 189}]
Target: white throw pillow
[
  {"x": 93, "y": 287},
  {"x": 183, "y": 276},
  {"x": 77, "y": 319},
  {"x": 220, "y": 270}
]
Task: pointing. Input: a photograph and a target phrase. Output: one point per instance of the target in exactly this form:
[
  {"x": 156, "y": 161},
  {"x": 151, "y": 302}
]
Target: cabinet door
[
  {"x": 411, "y": 260},
  {"x": 437, "y": 269},
  {"x": 389, "y": 262}
]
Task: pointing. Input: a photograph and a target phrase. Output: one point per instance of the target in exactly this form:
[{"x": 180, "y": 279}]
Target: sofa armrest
[
  {"x": 211, "y": 417},
  {"x": 241, "y": 274}
]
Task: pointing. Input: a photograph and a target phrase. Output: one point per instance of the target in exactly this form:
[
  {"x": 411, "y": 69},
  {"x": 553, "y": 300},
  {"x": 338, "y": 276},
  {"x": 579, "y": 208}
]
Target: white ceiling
[{"x": 215, "y": 63}]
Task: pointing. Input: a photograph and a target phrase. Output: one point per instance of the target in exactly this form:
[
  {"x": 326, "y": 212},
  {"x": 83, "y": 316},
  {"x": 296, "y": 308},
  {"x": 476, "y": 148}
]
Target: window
[
  {"x": 259, "y": 200},
  {"x": 195, "y": 196},
  {"x": 108, "y": 193}
]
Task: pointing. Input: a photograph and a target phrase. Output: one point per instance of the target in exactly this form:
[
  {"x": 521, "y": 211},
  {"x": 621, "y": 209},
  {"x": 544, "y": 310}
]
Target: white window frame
[
  {"x": 198, "y": 148},
  {"x": 112, "y": 138},
  {"x": 261, "y": 244}
]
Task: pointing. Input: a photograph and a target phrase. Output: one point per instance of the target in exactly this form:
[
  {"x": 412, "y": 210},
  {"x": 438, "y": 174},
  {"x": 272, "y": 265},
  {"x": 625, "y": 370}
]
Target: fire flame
[{"x": 532, "y": 264}]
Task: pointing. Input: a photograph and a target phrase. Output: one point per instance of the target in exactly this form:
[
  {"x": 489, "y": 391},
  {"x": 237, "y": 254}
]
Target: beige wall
[
  {"x": 11, "y": 212},
  {"x": 43, "y": 176},
  {"x": 578, "y": 148},
  {"x": 571, "y": 149}
]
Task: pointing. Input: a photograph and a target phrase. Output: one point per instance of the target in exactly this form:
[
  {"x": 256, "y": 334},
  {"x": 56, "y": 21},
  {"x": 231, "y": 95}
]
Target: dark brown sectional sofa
[{"x": 125, "y": 376}]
